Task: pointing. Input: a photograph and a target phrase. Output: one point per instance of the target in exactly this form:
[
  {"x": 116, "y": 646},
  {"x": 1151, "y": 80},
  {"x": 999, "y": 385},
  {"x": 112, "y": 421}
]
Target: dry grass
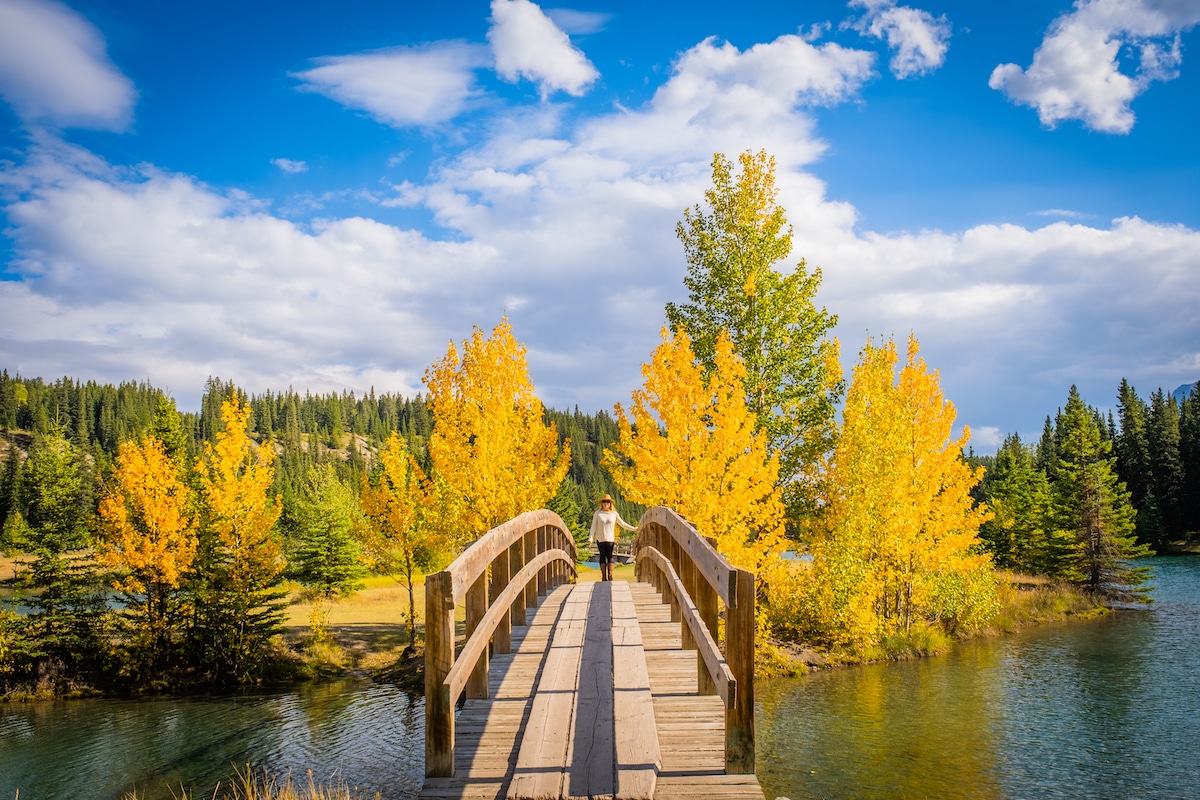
[
  {"x": 249, "y": 785},
  {"x": 8, "y": 566},
  {"x": 1032, "y": 600}
]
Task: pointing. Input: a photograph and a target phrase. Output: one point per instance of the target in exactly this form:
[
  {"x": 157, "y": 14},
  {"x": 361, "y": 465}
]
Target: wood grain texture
[{"x": 689, "y": 729}]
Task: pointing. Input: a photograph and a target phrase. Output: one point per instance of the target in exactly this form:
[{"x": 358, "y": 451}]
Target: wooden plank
[
  {"x": 637, "y": 752},
  {"x": 542, "y": 759},
  {"x": 592, "y": 755}
]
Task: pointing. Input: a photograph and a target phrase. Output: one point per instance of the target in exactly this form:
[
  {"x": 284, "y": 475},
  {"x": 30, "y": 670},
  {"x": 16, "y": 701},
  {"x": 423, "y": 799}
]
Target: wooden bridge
[{"x": 596, "y": 690}]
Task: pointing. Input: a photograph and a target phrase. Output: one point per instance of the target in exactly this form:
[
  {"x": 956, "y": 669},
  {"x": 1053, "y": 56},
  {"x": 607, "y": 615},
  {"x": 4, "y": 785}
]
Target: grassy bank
[
  {"x": 366, "y": 632},
  {"x": 249, "y": 785},
  {"x": 1025, "y": 600}
]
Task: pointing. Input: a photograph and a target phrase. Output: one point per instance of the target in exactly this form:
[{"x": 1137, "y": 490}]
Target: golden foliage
[
  {"x": 900, "y": 534},
  {"x": 690, "y": 443},
  {"x": 147, "y": 521},
  {"x": 493, "y": 454},
  {"x": 234, "y": 484},
  {"x": 401, "y": 507}
]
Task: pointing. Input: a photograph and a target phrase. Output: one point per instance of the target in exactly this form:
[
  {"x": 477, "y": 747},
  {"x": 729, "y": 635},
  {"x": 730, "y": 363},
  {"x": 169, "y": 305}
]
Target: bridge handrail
[
  {"x": 538, "y": 547},
  {"x": 476, "y": 558},
  {"x": 456, "y": 680},
  {"x": 711, "y": 565},
  {"x": 697, "y": 567},
  {"x": 717, "y": 667}
]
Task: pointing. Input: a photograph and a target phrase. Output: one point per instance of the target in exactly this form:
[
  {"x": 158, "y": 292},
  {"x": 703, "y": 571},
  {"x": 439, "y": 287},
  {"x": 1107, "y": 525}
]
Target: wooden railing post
[
  {"x": 530, "y": 552},
  {"x": 477, "y": 605},
  {"x": 739, "y": 654},
  {"x": 542, "y": 578},
  {"x": 705, "y": 598},
  {"x": 516, "y": 560},
  {"x": 687, "y": 574},
  {"x": 502, "y": 638},
  {"x": 439, "y": 658}
]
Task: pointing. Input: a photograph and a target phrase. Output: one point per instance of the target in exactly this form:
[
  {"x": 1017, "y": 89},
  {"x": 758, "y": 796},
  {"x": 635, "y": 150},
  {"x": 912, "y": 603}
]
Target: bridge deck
[{"x": 690, "y": 728}]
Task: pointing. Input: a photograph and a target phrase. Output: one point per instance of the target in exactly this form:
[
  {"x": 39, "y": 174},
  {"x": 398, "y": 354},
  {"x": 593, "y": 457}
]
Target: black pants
[{"x": 605, "y": 549}]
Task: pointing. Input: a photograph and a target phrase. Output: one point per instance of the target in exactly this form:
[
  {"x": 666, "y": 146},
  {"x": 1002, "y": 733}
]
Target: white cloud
[
  {"x": 1076, "y": 72},
  {"x": 527, "y": 44},
  {"x": 576, "y": 22},
  {"x": 54, "y": 68},
  {"x": 569, "y": 224},
  {"x": 1065, "y": 213},
  {"x": 289, "y": 166},
  {"x": 986, "y": 437},
  {"x": 919, "y": 39},
  {"x": 402, "y": 86}
]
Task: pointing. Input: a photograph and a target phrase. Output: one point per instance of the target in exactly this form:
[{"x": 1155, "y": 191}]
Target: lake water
[
  {"x": 1101, "y": 709},
  {"x": 1108, "y": 708}
]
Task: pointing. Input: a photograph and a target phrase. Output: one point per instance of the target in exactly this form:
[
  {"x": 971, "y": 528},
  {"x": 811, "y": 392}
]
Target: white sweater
[{"x": 604, "y": 525}]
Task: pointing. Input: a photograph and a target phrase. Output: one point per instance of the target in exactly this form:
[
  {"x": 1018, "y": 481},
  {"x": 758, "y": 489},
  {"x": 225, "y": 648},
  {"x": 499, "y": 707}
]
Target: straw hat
[{"x": 606, "y": 499}]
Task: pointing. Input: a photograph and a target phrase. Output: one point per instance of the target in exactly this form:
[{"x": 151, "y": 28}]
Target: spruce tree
[
  {"x": 1162, "y": 434},
  {"x": 1023, "y": 534},
  {"x": 52, "y": 521},
  {"x": 1132, "y": 450},
  {"x": 1095, "y": 505}
]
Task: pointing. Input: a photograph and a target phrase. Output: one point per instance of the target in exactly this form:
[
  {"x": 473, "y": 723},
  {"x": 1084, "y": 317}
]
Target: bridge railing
[
  {"x": 511, "y": 566},
  {"x": 692, "y": 577}
]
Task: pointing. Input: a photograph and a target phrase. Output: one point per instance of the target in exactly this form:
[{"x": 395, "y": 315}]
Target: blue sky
[{"x": 293, "y": 194}]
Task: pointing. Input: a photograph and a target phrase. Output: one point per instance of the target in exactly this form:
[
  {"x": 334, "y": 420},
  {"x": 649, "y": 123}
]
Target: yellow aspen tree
[
  {"x": 490, "y": 442},
  {"x": 900, "y": 537},
  {"x": 148, "y": 531},
  {"x": 736, "y": 244},
  {"x": 690, "y": 442},
  {"x": 243, "y": 562},
  {"x": 397, "y": 502}
]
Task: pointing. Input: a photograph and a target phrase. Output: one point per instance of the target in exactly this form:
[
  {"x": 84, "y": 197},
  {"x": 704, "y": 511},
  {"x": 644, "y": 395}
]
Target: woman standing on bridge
[{"x": 604, "y": 523}]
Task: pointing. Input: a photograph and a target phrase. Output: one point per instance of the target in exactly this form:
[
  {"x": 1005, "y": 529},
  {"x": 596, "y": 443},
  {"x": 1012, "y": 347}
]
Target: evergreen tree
[
  {"x": 566, "y": 506},
  {"x": 1095, "y": 505},
  {"x": 329, "y": 526},
  {"x": 51, "y": 525},
  {"x": 1132, "y": 449},
  {"x": 1022, "y": 535},
  {"x": 1189, "y": 453},
  {"x": 1162, "y": 435}
]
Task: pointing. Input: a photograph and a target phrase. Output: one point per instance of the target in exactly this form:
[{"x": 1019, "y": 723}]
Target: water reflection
[
  {"x": 370, "y": 735},
  {"x": 1101, "y": 709}
]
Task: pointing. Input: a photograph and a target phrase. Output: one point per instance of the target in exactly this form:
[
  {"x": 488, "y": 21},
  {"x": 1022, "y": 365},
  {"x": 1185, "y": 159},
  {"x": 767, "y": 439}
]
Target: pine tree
[
  {"x": 52, "y": 525},
  {"x": 1162, "y": 435},
  {"x": 1132, "y": 449},
  {"x": 1022, "y": 535},
  {"x": 1095, "y": 505},
  {"x": 1189, "y": 453},
  {"x": 330, "y": 526},
  {"x": 793, "y": 380}
]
